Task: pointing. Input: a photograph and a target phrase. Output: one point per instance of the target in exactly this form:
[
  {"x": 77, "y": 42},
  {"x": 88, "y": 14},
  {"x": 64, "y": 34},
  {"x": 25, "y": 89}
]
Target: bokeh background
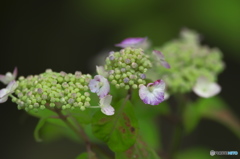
[{"x": 69, "y": 36}]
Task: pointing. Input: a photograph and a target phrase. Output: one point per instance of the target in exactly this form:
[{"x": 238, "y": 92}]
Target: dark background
[{"x": 67, "y": 36}]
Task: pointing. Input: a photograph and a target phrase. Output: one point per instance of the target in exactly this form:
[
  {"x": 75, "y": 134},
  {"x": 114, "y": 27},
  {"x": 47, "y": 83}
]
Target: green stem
[
  {"x": 178, "y": 130},
  {"x": 80, "y": 132}
]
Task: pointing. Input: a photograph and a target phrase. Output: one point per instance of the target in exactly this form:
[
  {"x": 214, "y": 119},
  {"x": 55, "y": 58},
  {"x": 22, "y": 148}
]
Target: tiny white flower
[
  {"x": 134, "y": 43},
  {"x": 5, "y": 92},
  {"x": 99, "y": 85},
  {"x": 8, "y": 77},
  {"x": 161, "y": 58},
  {"x": 101, "y": 71},
  {"x": 106, "y": 108},
  {"x": 153, "y": 94},
  {"x": 204, "y": 88}
]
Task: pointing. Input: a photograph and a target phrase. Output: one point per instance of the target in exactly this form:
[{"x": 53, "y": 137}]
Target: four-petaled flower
[
  {"x": 161, "y": 58},
  {"x": 134, "y": 43},
  {"x": 8, "y": 77},
  {"x": 204, "y": 88},
  {"x": 153, "y": 94},
  {"x": 99, "y": 85},
  {"x": 105, "y": 106},
  {"x": 5, "y": 92}
]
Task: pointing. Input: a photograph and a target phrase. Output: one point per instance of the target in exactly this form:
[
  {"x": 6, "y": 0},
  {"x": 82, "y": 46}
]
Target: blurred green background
[{"x": 68, "y": 35}]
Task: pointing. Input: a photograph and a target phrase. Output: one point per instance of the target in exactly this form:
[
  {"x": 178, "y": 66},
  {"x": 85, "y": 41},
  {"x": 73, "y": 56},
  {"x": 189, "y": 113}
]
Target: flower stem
[
  {"x": 79, "y": 131},
  {"x": 178, "y": 130}
]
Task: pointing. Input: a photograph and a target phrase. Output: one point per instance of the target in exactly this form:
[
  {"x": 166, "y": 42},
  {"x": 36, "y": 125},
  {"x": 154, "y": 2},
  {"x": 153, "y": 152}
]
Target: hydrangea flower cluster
[
  {"x": 189, "y": 61},
  {"x": 127, "y": 68},
  {"x": 52, "y": 89}
]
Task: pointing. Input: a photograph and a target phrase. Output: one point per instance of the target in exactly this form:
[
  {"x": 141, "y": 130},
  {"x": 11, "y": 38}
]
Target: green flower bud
[
  {"x": 127, "y": 65},
  {"x": 51, "y": 89}
]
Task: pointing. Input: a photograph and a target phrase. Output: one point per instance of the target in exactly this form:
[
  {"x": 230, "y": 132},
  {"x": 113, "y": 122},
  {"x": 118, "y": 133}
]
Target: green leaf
[
  {"x": 120, "y": 130},
  {"x": 83, "y": 156},
  {"x": 49, "y": 129},
  {"x": 196, "y": 153},
  {"x": 40, "y": 124},
  {"x": 86, "y": 155},
  {"x": 216, "y": 109},
  {"x": 139, "y": 150},
  {"x": 150, "y": 132},
  {"x": 54, "y": 129},
  {"x": 83, "y": 117},
  {"x": 42, "y": 113}
]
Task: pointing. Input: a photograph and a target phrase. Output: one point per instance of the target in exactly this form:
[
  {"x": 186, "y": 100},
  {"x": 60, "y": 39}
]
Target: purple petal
[
  {"x": 153, "y": 94},
  {"x": 161, "y": 57},
  {"x": 165, "y": 64},
  {"x": 131, "y": 42},
  {"x": 15, "y": 72}
]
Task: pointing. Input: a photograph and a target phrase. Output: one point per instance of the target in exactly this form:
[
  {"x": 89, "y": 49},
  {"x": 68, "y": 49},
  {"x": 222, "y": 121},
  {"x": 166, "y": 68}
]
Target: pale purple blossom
[
  {"x": 99, "y": 85},
  {"x": 153, "y": 93},
  {"x": 161, "y": 58},
  {"x": 204, "y": 88},
  {"x": 5, "y": 92},
  {"x": 134, "y": 43},
  {"x": 8, "y": 77},
  {"x": 106, "y": 108}
]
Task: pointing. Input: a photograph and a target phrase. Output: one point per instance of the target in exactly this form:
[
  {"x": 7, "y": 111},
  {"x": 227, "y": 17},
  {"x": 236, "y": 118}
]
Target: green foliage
[
  {"x": 38, "y": 127},
  {"x": 211, "y": 108},
  {"x": 139, "y": 150},
  {"x": 49, "y": 129},
  {"x": 118, "y": 131},
  {"x": 86, "y": 155}
]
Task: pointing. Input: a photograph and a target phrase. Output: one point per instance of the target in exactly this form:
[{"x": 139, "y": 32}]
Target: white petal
[
  {"x": 106, "y": 101},
  {"x": 99, "y": 85},
  {"x": 6, "y": 78},
  {"x": 3, "y": 92},
  {"x": 204, "y": 88},
  {"x": 12, "y": 86},
  {"x": 94, "y": 85},
  {"x": 101, "y": 71},
  {"x": 109, "y": 110},
  {"x": 3, "y": 95}
]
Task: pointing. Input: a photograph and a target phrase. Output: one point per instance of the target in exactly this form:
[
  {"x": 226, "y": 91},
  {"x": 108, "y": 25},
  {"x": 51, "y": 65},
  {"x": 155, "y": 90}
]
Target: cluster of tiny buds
[
  {"x": 53, "y": 90},
  {"x": 127, "y": 68}
]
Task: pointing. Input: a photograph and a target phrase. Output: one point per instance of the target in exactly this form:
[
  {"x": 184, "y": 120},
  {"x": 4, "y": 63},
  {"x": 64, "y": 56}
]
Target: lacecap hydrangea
[
  {"x": 52, "y": 89},
  {"x": 190, "y": 62}
]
